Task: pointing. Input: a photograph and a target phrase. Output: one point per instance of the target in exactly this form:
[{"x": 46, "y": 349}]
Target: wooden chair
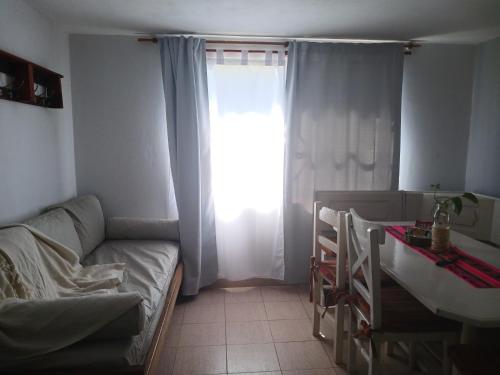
[
  {"x": 385, "y": 315},
  {"x": 329, "y": 264}
]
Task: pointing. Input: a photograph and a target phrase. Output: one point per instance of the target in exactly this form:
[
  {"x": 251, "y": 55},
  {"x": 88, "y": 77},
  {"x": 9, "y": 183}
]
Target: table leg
[{"x": 469, "y": 334}]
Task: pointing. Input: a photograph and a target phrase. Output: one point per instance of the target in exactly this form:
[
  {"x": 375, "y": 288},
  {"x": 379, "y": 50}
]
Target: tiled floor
[{"x": 251, "y": 330}]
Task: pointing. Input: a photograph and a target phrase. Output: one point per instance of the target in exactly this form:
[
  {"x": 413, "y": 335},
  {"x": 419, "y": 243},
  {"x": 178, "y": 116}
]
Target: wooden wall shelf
[{"x": 25, "y": 82}]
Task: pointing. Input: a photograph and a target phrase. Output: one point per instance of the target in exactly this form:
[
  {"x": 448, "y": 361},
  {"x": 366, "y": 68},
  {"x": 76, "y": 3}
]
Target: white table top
[{"x": 440, "y": 290}]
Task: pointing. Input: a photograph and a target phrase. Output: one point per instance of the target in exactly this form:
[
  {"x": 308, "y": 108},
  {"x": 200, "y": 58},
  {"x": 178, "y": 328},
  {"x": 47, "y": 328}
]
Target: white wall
[
  {"x": 483, "y": 160},
  {"x": 36, "y": 144},
  {"x": 435, "y": 116},
  {"x": 121, "y": 145}
]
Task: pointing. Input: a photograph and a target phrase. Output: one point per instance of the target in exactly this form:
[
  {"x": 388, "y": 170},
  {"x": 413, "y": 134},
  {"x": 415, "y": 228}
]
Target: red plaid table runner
[{"x": 474, "y": 271}]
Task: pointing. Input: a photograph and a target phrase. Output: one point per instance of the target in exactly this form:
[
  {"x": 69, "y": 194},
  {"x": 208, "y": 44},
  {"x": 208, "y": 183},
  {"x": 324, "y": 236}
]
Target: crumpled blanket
[{"x": 48, "y": 300}]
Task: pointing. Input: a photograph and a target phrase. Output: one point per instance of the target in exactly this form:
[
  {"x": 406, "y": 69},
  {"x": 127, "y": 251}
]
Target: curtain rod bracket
[
  {"x": 408, "y": 47},
  {"x": 152, "y": 40}
]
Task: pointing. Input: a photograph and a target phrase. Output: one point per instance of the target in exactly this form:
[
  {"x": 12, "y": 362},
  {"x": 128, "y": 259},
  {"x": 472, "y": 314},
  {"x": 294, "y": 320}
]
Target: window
[{"x": 247, "y": 146}]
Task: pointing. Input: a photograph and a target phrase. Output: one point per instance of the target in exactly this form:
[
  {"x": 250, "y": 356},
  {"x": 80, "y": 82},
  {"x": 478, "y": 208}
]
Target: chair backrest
[
  {"x": 372, "y": 205},
  {"x": 328, "y": 220},
  {"x": 363, "y": 240}
]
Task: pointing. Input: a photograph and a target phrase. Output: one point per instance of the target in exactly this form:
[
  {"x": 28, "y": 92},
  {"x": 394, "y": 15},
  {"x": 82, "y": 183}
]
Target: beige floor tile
[
  {"x": 257, "y": 373},
  {"x": 302, "y": 355},
  {"x": 167, "y": 362},
  {"x": 209, "y": 297},
  {"x": 240, "y": 295},
  {"x": 251, "y": 358},
  {"x": 196, "y": 313},
  {"x": 248, "y": 332},
  {"x": 328, "y": 347},
  {"x": 280, "y": 293},
  {"x": 291, "y": 330},
  {"x": 203, "y": 334},
  {"x": 285, "y": 310},
  {"x": 303, "y": 290},
  {"x": 245, "y": 312},
  {"x": 173, "y": 335},
  {"x": 200, "y": 360},
  {"x": 178, "y": 314},
  {"x": 322, "y": 371},
  {"x": 309, "y": 307},
  {"x": 343, "y": 371}
]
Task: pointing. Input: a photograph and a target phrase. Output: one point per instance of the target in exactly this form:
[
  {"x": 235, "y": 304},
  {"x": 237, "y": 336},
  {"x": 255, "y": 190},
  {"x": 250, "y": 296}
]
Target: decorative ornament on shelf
[
  {"x": 441, "y": 217},
  {"x": 10, "y": 88}
]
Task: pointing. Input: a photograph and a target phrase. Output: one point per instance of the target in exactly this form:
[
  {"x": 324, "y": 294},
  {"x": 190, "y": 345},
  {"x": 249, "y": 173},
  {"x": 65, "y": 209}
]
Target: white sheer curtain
[{"x": 247, "y": 139}]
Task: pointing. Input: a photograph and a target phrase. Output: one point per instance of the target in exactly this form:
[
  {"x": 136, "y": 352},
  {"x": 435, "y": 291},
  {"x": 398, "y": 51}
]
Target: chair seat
[
  {"x": 475, "y": 359},
  {"x": 328, "y": 270},
  {"x": 401, "y": 312}
]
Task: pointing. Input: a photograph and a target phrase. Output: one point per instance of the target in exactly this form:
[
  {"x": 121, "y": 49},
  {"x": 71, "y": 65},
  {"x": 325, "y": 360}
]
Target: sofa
[
  {"x": 481, "y": 222},
  {"x": 132, "y": 343}
]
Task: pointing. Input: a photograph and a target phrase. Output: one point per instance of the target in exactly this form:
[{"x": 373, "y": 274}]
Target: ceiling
[{"x": 441, "y": 21}]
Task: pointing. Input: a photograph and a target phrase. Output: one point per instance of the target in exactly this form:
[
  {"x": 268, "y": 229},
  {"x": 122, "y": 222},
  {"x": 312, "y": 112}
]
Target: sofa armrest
[
  {"x": 38, "y": 326},
  {"x": 126, "y": 228},
  {"x": 130, "y": 323}
]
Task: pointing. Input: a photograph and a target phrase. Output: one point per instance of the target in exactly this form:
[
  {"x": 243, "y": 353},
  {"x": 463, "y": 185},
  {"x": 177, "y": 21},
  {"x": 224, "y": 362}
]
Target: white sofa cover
[{"x": 150, "y": 250}]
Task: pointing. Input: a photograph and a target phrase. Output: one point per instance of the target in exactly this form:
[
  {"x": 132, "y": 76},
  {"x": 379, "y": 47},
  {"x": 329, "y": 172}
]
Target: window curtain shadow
[
  {"x": 184, "y": 72},
  {"x": 343, "y": 110}
]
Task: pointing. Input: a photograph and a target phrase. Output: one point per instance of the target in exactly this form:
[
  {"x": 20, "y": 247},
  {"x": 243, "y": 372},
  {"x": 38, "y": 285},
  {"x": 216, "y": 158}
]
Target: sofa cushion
[
  {"x": 150, "y": 268},
  {"x": 126, "y": 228},
  {"x": 57, "y": 224},
  {"x": 88, "y": 218}
]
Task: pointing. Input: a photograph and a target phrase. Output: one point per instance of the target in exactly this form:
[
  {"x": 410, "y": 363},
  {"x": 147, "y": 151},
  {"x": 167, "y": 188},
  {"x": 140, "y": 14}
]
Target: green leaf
[
  {"x": 471, "y": 197},
  {"x": 457, "y": 205}
]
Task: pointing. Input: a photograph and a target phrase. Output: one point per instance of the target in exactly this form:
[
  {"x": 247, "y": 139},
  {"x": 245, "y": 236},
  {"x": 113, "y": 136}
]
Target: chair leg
[
  {"x": 316, "y": 303},
  {"x": 446, "y": 360},
  {"x": 317, "y": 299},
  {"x": 339, "y": 332},
  {"x": 374, "y": 364},
  {"x": 390, "y": 348},
  {"x": 351, "y": 345},
  {"x": 413, "y": 355},
  {"x": 316, "y": 321}
]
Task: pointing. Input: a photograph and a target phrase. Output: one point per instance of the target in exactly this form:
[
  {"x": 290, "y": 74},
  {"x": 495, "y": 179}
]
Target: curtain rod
[
  {"x": 272, "y": 39},
  {"x": 408, "y": 45},
  {"x": 284, "y": 44}
]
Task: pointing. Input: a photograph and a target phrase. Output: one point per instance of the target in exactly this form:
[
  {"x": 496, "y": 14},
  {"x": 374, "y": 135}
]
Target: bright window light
[
  {"x": 246, "y": 118},
  {"x": 247, "y": 151}
]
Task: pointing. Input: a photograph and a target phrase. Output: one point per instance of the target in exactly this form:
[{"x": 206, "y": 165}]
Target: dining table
[{"x": 442, "y": 291}]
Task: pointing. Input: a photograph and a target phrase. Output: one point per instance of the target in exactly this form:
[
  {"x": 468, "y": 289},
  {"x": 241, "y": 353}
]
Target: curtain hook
[{"x": 244, "y": 57}]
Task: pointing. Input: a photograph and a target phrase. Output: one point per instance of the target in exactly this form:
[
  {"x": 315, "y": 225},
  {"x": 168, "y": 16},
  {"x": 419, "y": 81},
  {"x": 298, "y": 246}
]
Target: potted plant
[{"x": 441, "y": 217}]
